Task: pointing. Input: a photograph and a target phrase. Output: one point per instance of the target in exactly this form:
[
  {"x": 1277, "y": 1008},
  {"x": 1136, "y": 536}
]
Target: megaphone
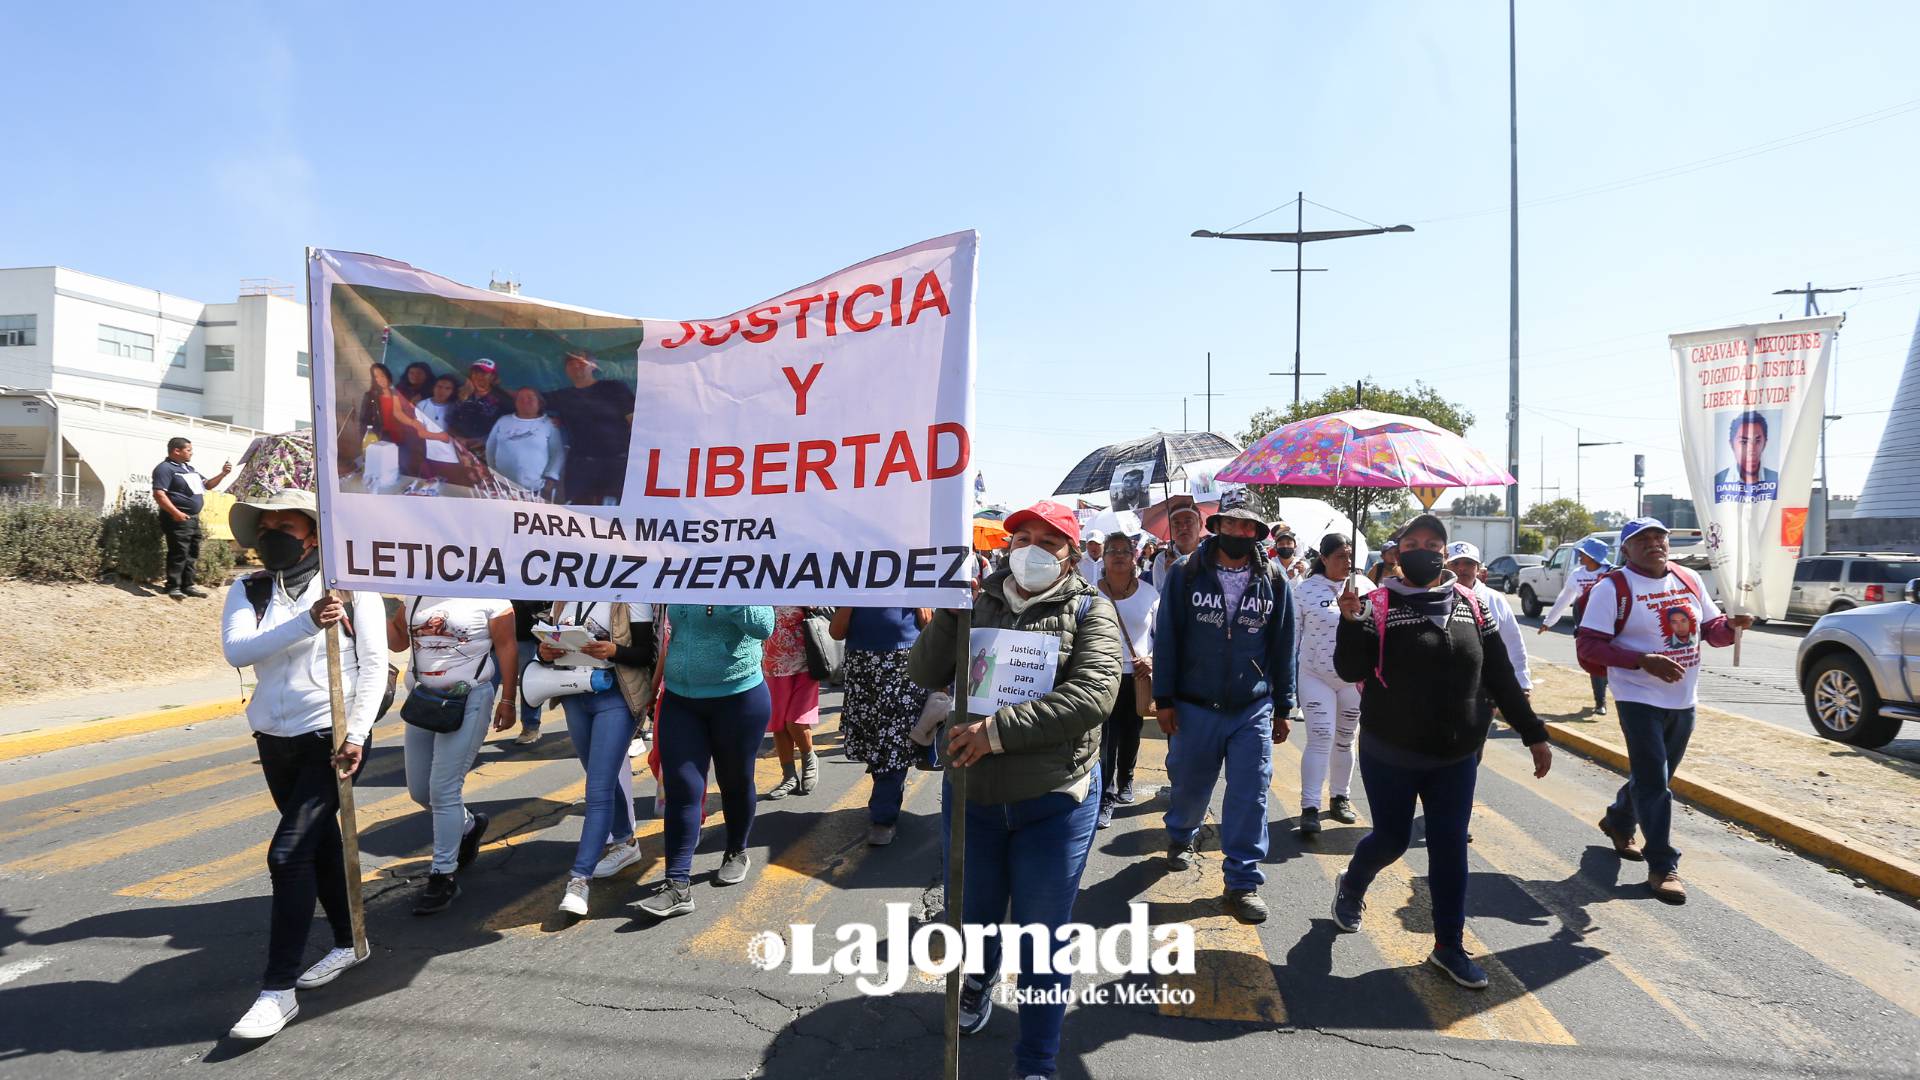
[{"x": 541, "y": 683}]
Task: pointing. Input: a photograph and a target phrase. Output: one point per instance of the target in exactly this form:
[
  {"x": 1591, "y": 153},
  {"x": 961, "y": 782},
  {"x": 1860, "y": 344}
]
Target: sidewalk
[
  {"x": 221, "y": 686},
  {"x": 1847, "y": 806}
]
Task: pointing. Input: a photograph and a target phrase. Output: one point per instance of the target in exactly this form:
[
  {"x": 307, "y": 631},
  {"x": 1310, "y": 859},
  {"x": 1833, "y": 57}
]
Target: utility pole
[
  {"x": 1299, "y": 238},
  {"x": 1813, "y": 306},
  {"x": 1513, "y": 276},
  {"x": 1209, "y": 391}
]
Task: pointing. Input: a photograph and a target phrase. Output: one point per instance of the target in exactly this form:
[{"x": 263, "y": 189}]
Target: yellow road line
[
  {"x": 1506, "y": 1010},
  {"x": 29, "y": 743},
  {"x": 538, "y": 911},
  {"x": 141, "y": 794},
  {"x": 196, "y": 881},
  {"x": 1841, "y": 943},
  {"x": 26, "y": 789},
  {"x": 82, "y": 854},
  {"x": 788, "y": 887},
  {"x": 502, "y": 828},
  {"x": 1233, "y": 977}
]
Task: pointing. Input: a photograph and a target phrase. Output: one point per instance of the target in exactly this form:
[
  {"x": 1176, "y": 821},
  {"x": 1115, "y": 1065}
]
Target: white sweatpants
[{"x": 1332, "y": 708}]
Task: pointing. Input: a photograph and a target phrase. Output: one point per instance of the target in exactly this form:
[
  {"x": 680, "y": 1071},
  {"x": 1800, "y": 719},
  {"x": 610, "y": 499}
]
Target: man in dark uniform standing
[{"x": 179, "y": 491}]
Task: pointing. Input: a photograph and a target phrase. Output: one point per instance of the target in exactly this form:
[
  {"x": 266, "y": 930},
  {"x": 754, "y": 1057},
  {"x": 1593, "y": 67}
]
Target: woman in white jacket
[
  {"x": 1331, "y": 705},
  {"x": 1590, "y": 557},
  {"x": 275, "y": 623}
]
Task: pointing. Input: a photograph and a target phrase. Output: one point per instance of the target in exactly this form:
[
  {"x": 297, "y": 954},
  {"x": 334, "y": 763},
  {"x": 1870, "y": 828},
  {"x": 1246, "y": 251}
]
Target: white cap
[{"x": 1461, "y": 549}]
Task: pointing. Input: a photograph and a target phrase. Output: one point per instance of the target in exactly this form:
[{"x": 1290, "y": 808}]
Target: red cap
[{"x": 1055, "y": 515}]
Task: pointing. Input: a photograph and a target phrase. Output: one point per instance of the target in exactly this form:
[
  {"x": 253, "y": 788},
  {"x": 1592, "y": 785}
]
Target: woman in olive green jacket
[{"x": 1033, "y": 768}]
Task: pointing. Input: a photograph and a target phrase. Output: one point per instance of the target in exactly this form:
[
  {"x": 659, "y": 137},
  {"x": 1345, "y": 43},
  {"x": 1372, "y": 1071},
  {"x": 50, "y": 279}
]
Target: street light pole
[
  {"x": 1580, "y": 445},
  {"x": 1513, "y": 275}
]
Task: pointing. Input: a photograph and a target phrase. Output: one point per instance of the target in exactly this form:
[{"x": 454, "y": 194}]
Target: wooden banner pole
[{"x": 956, "y": 796}]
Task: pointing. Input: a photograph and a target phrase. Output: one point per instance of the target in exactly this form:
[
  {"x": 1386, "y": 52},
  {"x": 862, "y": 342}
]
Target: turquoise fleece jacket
[{"x": 715, "y": 651}]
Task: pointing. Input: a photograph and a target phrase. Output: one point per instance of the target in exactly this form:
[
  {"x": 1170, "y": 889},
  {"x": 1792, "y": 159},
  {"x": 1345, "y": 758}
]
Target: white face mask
[{"x": 1034, "y": 567}]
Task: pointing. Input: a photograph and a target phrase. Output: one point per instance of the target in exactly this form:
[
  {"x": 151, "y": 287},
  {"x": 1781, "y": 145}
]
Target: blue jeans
[
  {"x": 890, "y": 789},
  {"x": 1446, "y": 795},
  {"x": 529, "y": 716},
  {"x": 1243, "y": 741},
  {"x": 1026, "y": 858},
  {"x": 1656, "y": 741},
  {"x": 601, "y": 727},
  {"x": 693, "y": 733},
  {"x": 437, "y": 765}
]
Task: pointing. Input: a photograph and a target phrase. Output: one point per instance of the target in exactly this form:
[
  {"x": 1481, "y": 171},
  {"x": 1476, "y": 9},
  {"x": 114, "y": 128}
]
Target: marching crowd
[{"x": 1222, "y": 637}]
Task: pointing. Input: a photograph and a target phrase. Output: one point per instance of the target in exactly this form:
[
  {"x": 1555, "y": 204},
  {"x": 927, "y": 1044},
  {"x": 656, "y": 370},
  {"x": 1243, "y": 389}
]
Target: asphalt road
[{"x": 134, "y": 914}]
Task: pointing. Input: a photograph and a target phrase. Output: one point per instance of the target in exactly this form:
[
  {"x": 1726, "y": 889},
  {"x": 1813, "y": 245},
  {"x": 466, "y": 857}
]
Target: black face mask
[
  {"x": 1236, "y": 547},
  {"x": 280, "y": 551},
  {"x": 1284, "y": 552},
  {"x": 1421, "y": 567}
]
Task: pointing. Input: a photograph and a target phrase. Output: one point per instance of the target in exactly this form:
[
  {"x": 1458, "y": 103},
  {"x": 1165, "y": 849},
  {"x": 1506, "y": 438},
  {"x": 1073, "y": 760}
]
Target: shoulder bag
[
  {"x": 826, "y": 658},
  {"x": 1142, "y": 683},
  {"x": 431, "y": 710}
]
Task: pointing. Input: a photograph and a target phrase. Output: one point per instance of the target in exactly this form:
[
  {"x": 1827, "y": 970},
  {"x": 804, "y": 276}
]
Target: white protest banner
[
  {"x": 1007, "y": 667},
  {"x": 812, "y": 449},
  {"x": 1752, "y": 399}
]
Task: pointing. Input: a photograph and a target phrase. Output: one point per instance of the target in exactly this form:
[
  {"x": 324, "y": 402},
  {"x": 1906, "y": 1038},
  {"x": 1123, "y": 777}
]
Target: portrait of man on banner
[
  {"x": 1748, "y": 462},
  {"x": 1131, "y": 487}
]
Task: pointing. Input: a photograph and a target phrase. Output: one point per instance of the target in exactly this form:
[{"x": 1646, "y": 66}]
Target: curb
[
  {"x": 1880, "y": 867},
  {"x": 46, "y": 740}
]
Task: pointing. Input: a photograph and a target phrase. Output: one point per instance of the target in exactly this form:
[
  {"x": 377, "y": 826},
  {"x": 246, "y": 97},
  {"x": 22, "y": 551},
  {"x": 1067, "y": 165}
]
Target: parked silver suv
[
  {"x": 1839, "y": 580},
  {"x": 1860, "y": 670}
]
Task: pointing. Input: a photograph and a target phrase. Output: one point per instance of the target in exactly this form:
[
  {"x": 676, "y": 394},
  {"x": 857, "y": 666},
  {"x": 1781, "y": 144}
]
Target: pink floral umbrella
[{"x": 1362, "y": 448}]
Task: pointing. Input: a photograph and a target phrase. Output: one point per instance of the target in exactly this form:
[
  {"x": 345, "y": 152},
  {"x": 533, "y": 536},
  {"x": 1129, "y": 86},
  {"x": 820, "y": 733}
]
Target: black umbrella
[{"x": 1169, "y": 451}]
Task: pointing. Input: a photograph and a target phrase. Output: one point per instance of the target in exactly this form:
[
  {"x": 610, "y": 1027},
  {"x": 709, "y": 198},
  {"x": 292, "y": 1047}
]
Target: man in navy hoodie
[{"x": 1222, "y": 689}]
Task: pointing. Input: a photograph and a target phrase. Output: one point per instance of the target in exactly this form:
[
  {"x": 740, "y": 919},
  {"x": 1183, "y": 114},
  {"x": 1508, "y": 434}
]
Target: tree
[
  {"x": 1478, "y": 505},
  {"x": 1392, "y": 503},
  {"x": 1562, "y": 519},
  {"x": 1608, "y": 519}
]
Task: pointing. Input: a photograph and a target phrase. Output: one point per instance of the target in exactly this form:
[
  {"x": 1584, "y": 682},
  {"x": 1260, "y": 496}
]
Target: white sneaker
[
  {"x": 527, "y": 737},
  {"x": 617, "y": 858},
  {"x": 270, "y": 1012},
  {"x": 330, "y": 967},
  {"x": 639, "y": 747},
  {"x": 575, "y": 900}
]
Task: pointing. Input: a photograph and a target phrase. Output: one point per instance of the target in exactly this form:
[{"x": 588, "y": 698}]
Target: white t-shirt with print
[
  {"x": 1664, "y": 617},
  {"x": 451, "y": 643},
  {"x": 1136, "y": 621},
  {"x": 433, "y": 416}
]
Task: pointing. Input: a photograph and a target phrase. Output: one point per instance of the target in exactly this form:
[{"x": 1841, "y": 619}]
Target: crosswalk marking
[
  {"x": 196, "y": 881},
  {"x": 1841, "y": 943},
  {"x": 787, "y": 888},
  {"x": 537, "y": 912},
  {"x": 71, "y": 778},
  {"x": 141, "y": 794},
  {"x": 505, "y": 829},
  {"x": 1506, "y": 1010},
  {"x": 1233, "y": 977}
]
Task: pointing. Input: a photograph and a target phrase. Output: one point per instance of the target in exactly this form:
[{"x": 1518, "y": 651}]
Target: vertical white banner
[{"x": 1752, "y": 399}]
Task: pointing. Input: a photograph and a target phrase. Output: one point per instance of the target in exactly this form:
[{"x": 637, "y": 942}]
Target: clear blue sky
[{"x": 684, "y": 164}]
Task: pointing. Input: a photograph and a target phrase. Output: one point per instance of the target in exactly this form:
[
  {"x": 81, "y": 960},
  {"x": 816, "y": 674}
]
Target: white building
[{"x": 106, "y": 372}]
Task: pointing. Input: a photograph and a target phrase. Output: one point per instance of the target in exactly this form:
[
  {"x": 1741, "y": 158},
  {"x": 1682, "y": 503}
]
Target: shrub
[
  {"x": 1531, "y": 542},
  {"x": 43, "y": 542}
]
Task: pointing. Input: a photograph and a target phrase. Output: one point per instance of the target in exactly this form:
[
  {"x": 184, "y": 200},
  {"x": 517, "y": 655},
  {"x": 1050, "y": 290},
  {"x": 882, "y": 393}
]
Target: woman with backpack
[
  {"x": 600, "y": 723},
  {"x": 1331, "y": 704},
  {"x": 1033, "y": 770},
  {"x": 463, "y": 651},
  {"x": 276, "y": 623},
  {"x": 1422, "y": 648}
]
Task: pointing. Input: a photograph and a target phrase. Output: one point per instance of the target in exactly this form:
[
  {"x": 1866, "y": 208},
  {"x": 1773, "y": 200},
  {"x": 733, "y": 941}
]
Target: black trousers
[
  {"x": 1119, "y": 741},
  {"x": 183, "y": 551},
  {"x": 304, "y": 859}
]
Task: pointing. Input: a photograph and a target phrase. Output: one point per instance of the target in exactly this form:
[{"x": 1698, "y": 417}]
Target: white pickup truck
[{"x": 1538, "y": 585}]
